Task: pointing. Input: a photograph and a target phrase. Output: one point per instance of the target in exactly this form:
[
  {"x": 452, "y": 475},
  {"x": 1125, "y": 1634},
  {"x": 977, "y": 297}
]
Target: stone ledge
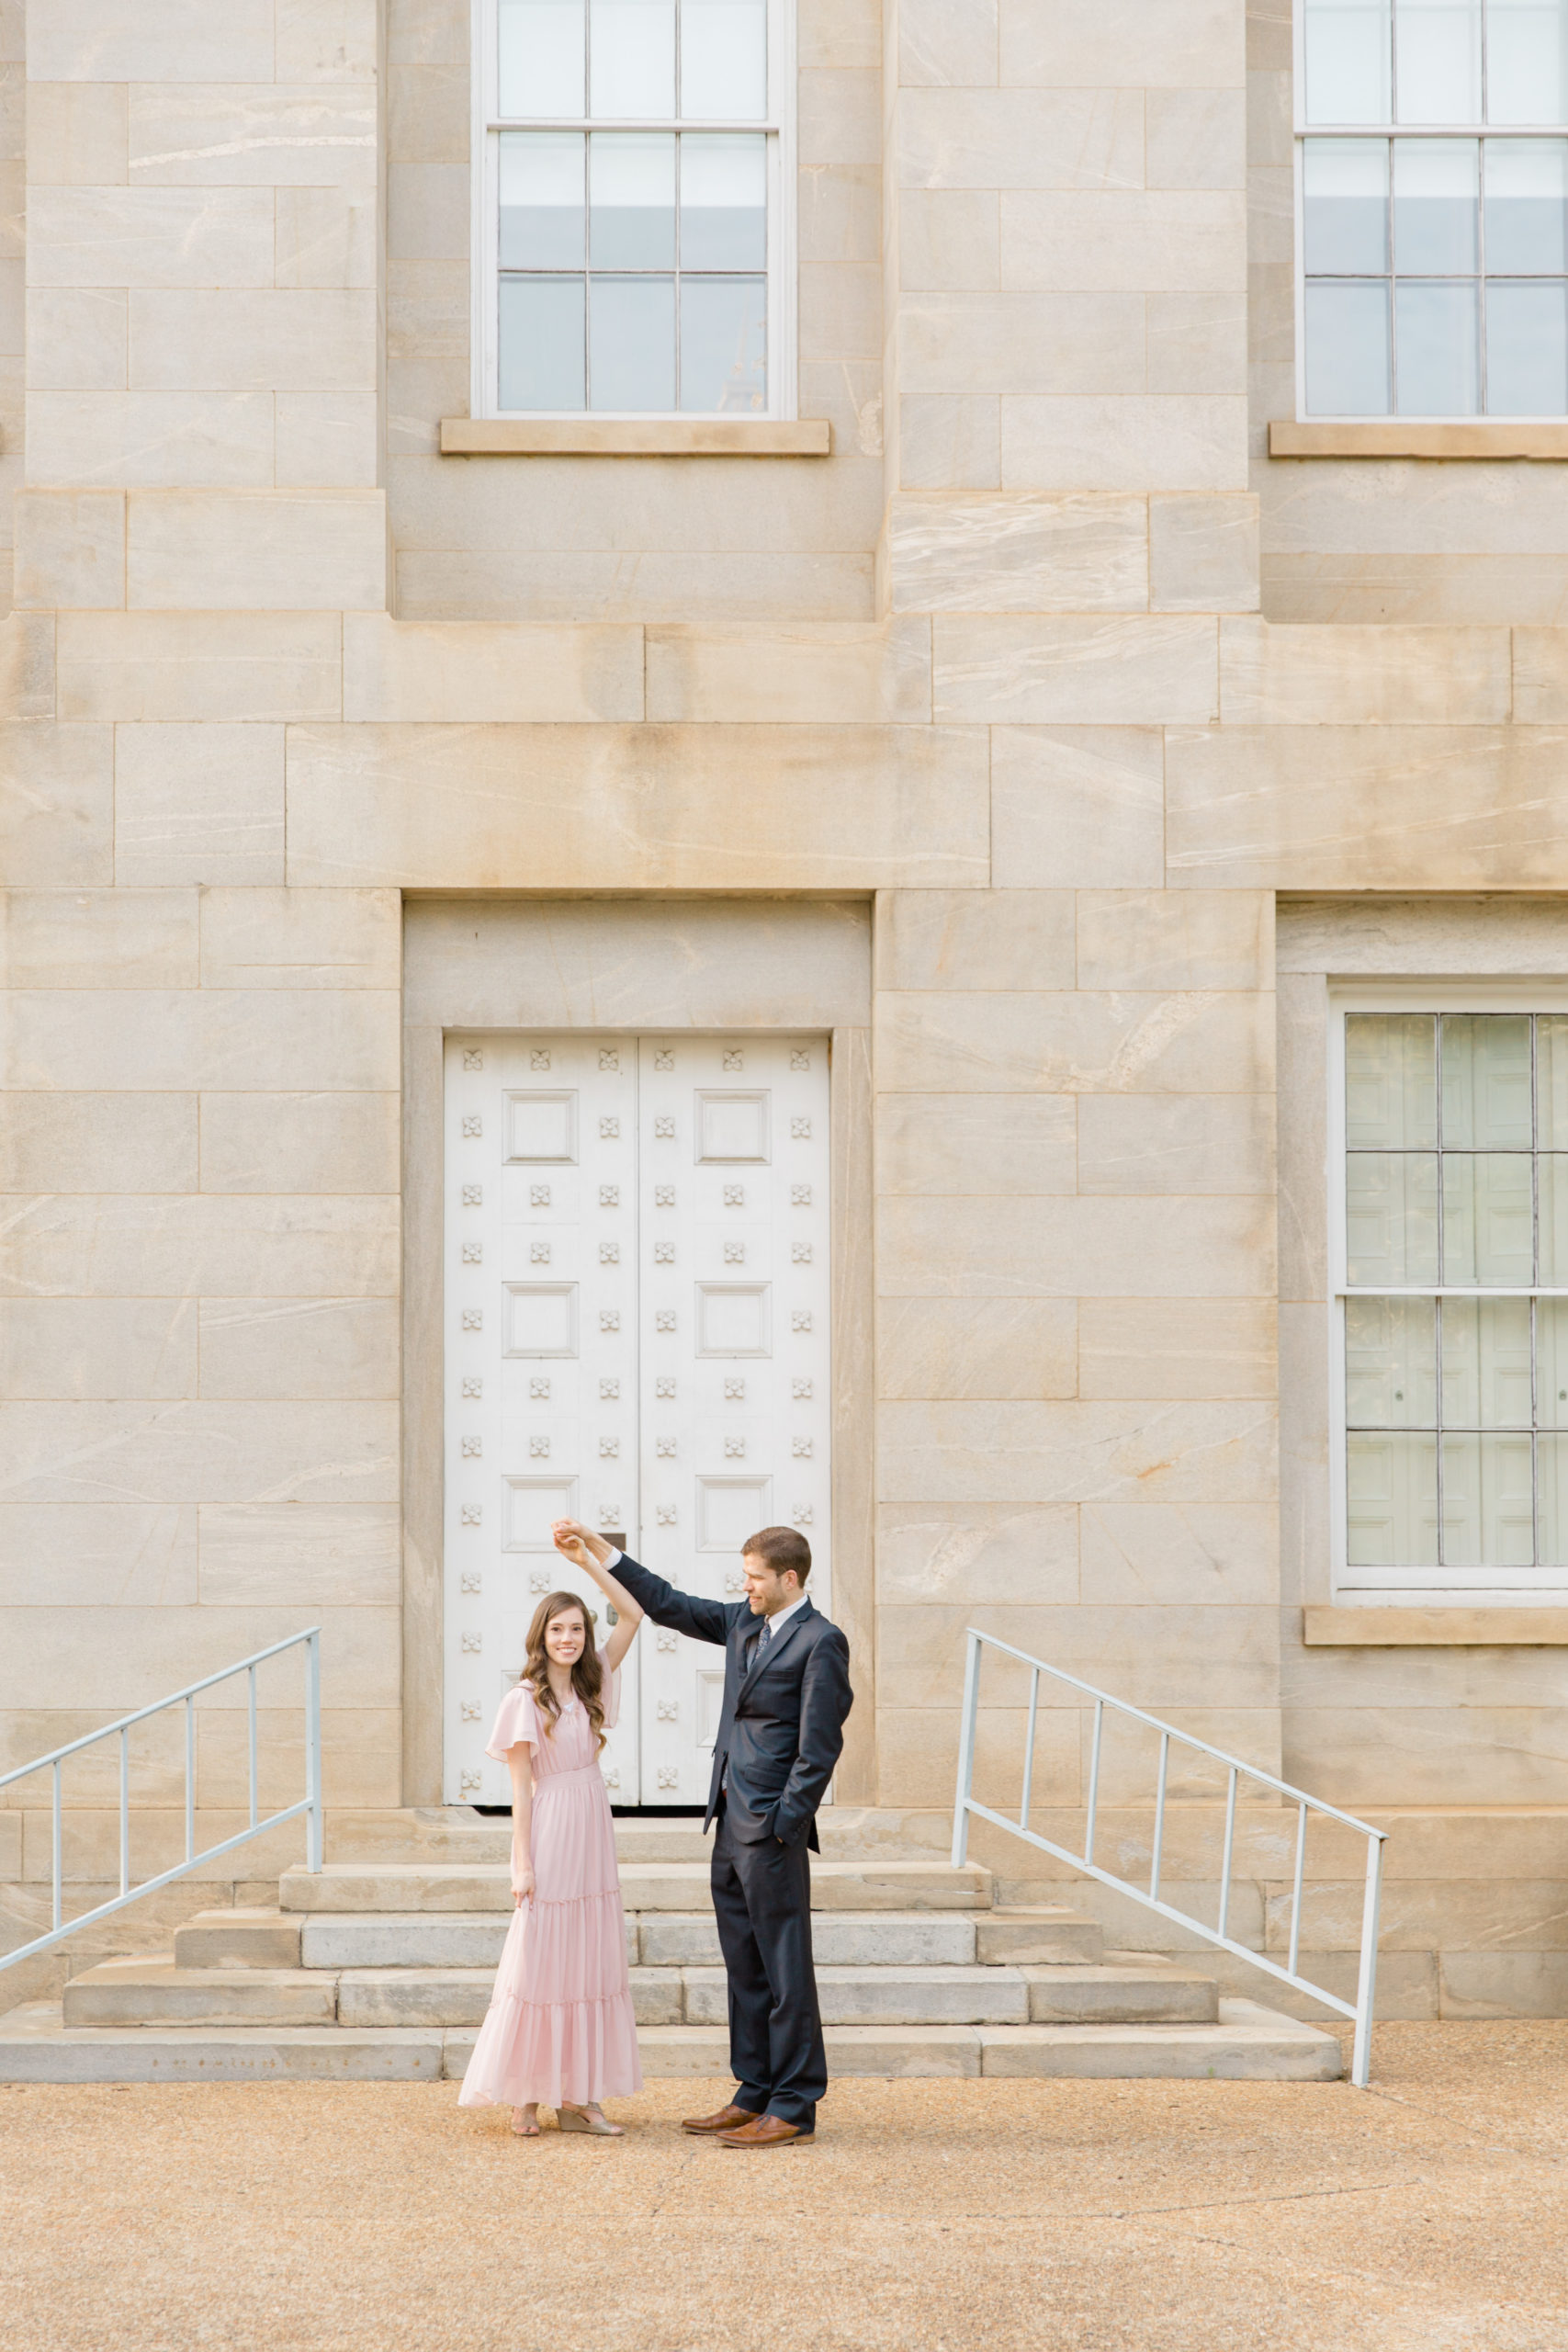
[
  {"x": 698, "y": 436},
  {"x": 1401, "y": 437},
  {"x": 1422, "y": 1629}
]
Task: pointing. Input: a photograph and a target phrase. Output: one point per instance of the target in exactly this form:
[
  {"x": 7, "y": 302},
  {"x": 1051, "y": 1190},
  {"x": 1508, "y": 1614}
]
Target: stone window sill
[
  {"x": 1400, "y": 437},
  {"x": 698, "y": 436},
  {"x": 1424, "y": 1629}
]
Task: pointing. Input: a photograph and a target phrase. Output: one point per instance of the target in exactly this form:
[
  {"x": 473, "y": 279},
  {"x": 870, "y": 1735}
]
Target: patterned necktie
[{"x": 760, "y": 1650}]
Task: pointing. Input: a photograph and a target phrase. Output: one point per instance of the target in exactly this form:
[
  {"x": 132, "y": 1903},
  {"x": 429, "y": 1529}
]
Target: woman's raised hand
[{"x": 567, "y": 1535}]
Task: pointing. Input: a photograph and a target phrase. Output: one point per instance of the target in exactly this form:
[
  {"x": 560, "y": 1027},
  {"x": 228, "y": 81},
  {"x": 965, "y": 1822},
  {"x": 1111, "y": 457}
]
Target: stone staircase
[{"x": 381, "y": 1970}]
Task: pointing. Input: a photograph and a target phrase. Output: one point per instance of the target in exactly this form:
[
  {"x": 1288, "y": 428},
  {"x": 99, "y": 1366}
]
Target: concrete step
[
  {"x": 664, "y": 1886},
  {"x": 1248, "y": 2043},
  {"x": 236, "y": 1938},
  {"x": 654, "y": 1938},
  {"x": 157, "y": 1992},
  {"x": 1039, "y": 1936}
]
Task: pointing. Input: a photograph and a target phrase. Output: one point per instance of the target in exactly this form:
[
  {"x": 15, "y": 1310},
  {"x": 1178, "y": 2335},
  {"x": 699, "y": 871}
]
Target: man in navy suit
[{"x": 786, "y": 1694}]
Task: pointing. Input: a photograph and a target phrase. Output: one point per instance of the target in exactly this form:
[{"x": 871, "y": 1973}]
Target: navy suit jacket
[{"x": 781, "y": 1730}]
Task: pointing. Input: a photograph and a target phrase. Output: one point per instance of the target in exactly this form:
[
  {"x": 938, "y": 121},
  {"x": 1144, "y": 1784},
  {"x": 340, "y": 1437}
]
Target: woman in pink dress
[{"x": 561, "y": 2030}]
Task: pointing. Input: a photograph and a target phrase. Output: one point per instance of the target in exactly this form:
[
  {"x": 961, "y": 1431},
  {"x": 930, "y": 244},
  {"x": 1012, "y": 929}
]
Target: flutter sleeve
[
  {"x": 517, "y": 1721},
  {"x": 611, "y": 1693}
]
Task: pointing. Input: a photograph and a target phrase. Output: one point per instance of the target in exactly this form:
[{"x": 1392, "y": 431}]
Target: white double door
[{"x": 636, "y": 1335}]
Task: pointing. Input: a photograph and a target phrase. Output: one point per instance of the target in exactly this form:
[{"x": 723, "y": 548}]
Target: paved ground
[{"x": 1431, "y": 2213}]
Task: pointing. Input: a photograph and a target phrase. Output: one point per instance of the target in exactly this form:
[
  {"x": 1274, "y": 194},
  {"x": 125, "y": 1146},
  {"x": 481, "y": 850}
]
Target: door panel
[{"x": 636, "y": 1334}]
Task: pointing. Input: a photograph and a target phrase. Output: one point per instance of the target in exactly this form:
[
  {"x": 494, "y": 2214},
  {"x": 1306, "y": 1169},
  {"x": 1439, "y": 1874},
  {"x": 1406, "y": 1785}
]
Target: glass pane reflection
[
  {"x": 1487, "y": 1219},
  {"x": 724, "y": 201},
  {"x": 631, "y": 343},
  {"x": 1350, "y": 57},
  {"x": 632, "y": 59},
  {"x": 1437, "y": 347},
  {"x": 1438, "y": 52},
  {"x": 1391, "y": 1081},
  {"x": 1390, "y": 1364},
  {"x": 542, "y": 348},
  {"x": 1390, "y": 1497},
  {"x": 1437, "y": 207},
  {"x": 542, "y": 210},
  {"x": 1486, "y": 1363},
  {"x": 724, "y": 323},
  {"x": 1488, "y": 1507},
  {"x": 1344, "y": 206},
  {"x": 723, "y": 61},
  {"x": 632, "y": 199},
  {"x": 1527, "y": 60},
  {"x": 540, "y": 65}
]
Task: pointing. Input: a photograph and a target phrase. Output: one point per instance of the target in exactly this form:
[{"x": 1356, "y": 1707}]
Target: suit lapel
[{"x": 779, "y": 1643}]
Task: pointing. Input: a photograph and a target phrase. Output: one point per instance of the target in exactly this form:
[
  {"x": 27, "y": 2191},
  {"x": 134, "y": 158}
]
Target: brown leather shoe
[
  {"x": 766, "y": 2131},
  {"x": 726, "y": 2119}
]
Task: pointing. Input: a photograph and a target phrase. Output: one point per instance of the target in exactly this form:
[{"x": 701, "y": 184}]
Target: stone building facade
[{"x": 1031, "y": 716}]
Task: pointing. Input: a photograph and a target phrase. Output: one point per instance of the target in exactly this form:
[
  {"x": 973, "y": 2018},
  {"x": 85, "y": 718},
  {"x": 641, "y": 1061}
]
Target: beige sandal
[
  {"x": 599, "y": 2127},
  {"x": 521, "y": 2128}
]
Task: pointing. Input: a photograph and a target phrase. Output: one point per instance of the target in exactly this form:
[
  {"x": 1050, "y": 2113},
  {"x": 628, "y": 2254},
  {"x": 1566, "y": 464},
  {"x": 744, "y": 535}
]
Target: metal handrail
[
  {"x": 1361, "y": 2009},
  {"x": 309, "y": 1804}
]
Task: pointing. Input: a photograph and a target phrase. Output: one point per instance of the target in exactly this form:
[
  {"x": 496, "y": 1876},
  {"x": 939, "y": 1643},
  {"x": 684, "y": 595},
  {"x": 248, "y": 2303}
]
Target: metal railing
[
  {"x": 309, "y": 1803},
  {"x": 1359, "y": 2010}
]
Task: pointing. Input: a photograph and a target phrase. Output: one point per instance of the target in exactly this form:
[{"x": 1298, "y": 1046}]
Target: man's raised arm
[{"x": 705, "y": 1621}]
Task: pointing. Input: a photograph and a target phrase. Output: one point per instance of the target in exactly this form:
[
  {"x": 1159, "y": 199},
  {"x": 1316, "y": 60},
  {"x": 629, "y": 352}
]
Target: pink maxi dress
[{"x": 559, "y": 2026}]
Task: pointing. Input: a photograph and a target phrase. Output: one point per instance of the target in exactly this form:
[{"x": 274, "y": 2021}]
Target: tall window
[
  {"x": 632, "y": 207},
  {"x": 1453, "y": 1299},
  {"x": 1433, "y": 203}
]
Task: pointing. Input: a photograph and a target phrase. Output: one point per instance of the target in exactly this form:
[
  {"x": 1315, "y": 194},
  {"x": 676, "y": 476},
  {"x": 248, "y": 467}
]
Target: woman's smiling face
[{"x": 566, "y": 1637}]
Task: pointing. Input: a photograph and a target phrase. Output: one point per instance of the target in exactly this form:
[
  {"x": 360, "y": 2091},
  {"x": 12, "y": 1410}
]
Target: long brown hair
[{"x": 587, "y": 1673}]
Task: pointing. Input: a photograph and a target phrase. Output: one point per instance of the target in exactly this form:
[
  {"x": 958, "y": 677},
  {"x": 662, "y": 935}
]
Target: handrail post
[
  {"x": 1093, "y": 1780},
  {"x": 190, "y": 1779},
  {"x": 251, "y": 1680},
  {"x": 1296, "y": 1890},
  {"x": 313, "y": 1751},
  {"x": 966, "y": 1751},
  {"x": 1225, "y": 1861},
  {"x": 1366, "y": 1982},
  {"x": 1159, "y": 1815},
  {"x": 125, "y": 1813},
  {"x": 55, "y": 1846},
  {"x": 1029, "y": 1750}
]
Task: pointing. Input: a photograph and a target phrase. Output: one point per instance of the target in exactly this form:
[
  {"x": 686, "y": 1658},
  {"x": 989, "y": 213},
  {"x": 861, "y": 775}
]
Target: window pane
[
  {"x": 1551, "y": 1081},
  {"x": 1527, "y": 206},
  {"x": 1438, "y": 60},
  {"x": 631, "y": 345},
  {"x": 1486, "y": 1363},
  {"x": 1487, "y": 1221},
  {"x": 724, "y": 202},
  {"x": 1390, "y": 1364},
  {"x": 541, "y": 58},
  {"x": 542, "y": 343},
  {"x": 1344, "y": 206},
  {"x": 1391, "y": 1217},
  {"x": 1391, "y": 1081},
  {"x": 631, "y": 181},
  {"x": 1488, "y": 1513},
  {"x": 1552, "y": 1477},
  {"x": 1551, "y": 1363},
  {"x": 1552, "y": 1210},
  {"x": 1527, "y": 60},
  {"x": 723, "y": 61},
  {"x": 1349, "y": 61},
  {"x": 1347, "y": 350},
  {"x": 1391, "y": 1494},
  {"x": 1437, "y": 207},
  {"x": 631, "y": 58},
  {"x": 1437, "y": 348},
  {"x": 724, "y": 333},
  {"x": 1486, "y": 1081},
  {"x": 541, "y": 199},
  {"x": 1527, "y": 347}
]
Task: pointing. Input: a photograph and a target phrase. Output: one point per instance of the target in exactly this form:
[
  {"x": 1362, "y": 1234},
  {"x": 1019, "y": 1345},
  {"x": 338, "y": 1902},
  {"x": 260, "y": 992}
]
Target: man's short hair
[{"x": 782, "y": 1548}]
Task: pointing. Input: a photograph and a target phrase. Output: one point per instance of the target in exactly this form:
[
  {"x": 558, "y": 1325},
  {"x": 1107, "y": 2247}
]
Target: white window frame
[
  {"x": 778, "y": 129},
  {"x": 1404, "y": 1588},
  {"x": 1389, "y": 130}
]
